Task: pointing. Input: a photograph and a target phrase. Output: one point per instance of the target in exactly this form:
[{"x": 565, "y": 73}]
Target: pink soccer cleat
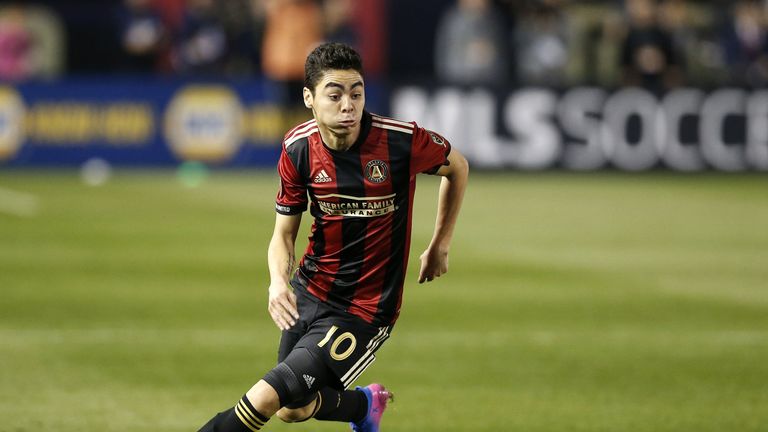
[{"x": 378, "y": 397}]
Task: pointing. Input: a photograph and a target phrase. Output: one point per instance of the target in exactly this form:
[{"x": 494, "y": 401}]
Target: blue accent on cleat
[{"x": 377, "y": 397}]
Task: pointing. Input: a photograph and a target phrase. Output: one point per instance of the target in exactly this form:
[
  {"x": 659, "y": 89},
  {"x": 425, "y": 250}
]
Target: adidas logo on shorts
[
  {"x": 322, "y": 177},
  {"x": 309, "y": 379}
]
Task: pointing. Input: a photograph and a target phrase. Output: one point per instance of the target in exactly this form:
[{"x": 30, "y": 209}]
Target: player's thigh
[
  {"x": 346, "y": 344},
  {"x": 289, "y": 338}
]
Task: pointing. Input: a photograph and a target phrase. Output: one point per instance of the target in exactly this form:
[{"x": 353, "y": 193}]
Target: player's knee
[
  {"x": 295, "y": 415},
  {"x": 263, "y": 398},
  {"x": 297, "y": 379},
  {"x": 285, "y": 382}
]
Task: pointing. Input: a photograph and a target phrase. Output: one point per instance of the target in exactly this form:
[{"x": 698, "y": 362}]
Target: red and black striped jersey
[{"x": 362, "y": 201}]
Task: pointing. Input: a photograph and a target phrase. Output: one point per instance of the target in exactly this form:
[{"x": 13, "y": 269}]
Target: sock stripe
[
  {"x": 246, "y": 421},
  {"x": 248, "y": 415},
  {"x": 251, "y": 413}
]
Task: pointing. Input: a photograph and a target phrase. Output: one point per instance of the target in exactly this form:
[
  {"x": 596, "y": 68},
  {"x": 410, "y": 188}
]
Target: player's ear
[{"x": 308, "y": 100}]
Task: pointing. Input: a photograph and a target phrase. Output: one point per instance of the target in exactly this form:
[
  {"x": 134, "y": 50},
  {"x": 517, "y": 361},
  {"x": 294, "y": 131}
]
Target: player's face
[{"x": 338, "y": 101}]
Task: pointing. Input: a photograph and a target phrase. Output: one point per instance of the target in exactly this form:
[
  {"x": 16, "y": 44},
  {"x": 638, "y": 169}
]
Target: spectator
[
  {"x": 202, "y": 43},
  {"x": 541, "y": 43},
  {"x": 293, "y": 29},
  {"x": 31, "y": 43},
  {"x": 244, "y": 22},
  {"x": 15, "y": 46},
  {"x": 648, "y": 58},
  {"x": 337, "y": 17},
  {"x": 143, "y": 36},
  {"x": 674, "y": 19},
  {"x": 471, "y": 45},
  {"x": 745, "y": 44}
]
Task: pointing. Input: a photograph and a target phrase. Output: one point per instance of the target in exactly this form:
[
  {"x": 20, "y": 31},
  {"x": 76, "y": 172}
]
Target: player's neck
[{"x": 339, "y": 142}]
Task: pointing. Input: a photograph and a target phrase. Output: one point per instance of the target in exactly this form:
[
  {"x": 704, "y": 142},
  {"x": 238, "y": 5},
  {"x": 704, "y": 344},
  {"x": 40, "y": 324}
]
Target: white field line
[{"x": 17, "y": 203}]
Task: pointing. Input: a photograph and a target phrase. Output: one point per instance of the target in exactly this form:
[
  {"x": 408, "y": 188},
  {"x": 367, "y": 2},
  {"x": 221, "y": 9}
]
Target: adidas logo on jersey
[
  {"x": 309, "y": 380},
  {"x": 322, "y": 177}
]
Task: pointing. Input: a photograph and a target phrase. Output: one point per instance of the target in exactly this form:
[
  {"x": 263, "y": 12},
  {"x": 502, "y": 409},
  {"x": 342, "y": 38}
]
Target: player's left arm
[{"x": 434, "y": 260}]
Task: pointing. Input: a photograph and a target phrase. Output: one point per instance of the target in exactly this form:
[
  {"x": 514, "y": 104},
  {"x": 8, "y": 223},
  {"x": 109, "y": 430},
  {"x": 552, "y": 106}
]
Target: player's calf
[{"x": 297, "y": 415}]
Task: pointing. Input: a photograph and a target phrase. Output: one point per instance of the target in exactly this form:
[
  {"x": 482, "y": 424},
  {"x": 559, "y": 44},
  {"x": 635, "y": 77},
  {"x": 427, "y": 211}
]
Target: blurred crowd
[
  {"x": 656, "y": 44},
  {"x": 172, "y": 37}
]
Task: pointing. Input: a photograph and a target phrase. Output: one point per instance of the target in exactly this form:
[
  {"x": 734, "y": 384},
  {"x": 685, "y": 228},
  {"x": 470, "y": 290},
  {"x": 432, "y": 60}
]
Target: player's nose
[{"x": 346, "y": 104}]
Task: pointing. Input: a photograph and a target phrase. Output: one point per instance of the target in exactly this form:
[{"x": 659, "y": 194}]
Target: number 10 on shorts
[{"x": 337, "y": 342}]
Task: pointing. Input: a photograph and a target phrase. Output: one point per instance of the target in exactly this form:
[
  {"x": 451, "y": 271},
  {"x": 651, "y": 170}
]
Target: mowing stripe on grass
[{"x": 19, "y": 204}]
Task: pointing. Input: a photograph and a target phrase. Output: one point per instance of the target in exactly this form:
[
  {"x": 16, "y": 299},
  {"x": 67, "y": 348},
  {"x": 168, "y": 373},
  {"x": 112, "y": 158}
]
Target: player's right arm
[
  {"x": 281, "y": 259},
  {"x": 290, "y": 203}
]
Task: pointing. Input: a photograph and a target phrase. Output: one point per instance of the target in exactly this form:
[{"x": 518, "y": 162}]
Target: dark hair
[{"x": 332, "y": 55}]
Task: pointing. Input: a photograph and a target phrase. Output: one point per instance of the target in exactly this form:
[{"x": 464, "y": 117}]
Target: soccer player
[{"x": 356, "y": 171}]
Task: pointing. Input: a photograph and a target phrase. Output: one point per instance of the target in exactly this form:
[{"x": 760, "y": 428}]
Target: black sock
[
  {"x": 346, "y": 406},
  {"x": 242, "y": 418},
  {"x": 215, "y": 421}
]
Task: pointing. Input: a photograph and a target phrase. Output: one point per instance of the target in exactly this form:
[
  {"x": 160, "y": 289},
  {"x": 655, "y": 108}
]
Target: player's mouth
[{"x": 347, "y": 123}]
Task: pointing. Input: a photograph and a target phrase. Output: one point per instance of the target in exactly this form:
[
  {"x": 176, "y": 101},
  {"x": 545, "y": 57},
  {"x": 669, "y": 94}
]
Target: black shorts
[{"x": 345, "y": 343}]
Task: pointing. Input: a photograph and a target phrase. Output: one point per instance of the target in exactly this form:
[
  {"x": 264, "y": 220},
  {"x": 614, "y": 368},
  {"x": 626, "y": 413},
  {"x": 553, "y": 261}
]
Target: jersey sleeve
[
  {"x": 429, "y": 151},
  {"x": 292, "y": 193}
]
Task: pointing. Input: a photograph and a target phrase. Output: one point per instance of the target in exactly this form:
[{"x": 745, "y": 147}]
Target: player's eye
[
  {"x": 334, "y": 97},
  {"x": 356, "y": 96}
]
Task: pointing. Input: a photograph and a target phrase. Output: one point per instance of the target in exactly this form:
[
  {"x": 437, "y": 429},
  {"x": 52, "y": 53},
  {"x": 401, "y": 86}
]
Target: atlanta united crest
[
  {"x": 437, "y": 139},
  {"x": 376, "y": 171}
]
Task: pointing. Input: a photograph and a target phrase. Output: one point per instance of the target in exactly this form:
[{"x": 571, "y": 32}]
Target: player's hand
[
  {"x": 282, "y": 306},
  {"x": 434, "y": 263}
]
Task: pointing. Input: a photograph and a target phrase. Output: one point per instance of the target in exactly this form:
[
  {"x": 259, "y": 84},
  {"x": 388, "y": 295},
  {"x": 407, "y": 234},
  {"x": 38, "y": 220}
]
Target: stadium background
[{"x": 609, "y": 271}]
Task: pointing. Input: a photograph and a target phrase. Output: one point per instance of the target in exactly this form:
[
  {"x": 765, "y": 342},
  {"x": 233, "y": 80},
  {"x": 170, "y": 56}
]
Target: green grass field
[{"x": 599, "y": 302}]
